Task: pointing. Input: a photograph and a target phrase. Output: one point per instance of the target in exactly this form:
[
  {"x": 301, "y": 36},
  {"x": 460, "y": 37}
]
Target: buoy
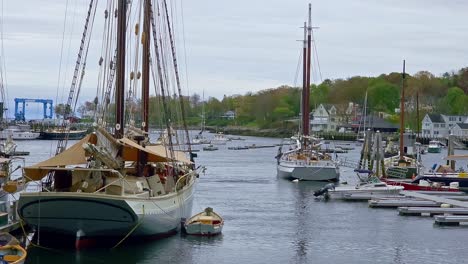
[
  {"x": 295, "y": 180},
  {"x": 444, "y": 205}
]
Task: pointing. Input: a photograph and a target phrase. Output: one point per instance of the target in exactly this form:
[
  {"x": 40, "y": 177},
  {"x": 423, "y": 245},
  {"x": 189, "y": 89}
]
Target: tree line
[{"x": 272, "y": 108}]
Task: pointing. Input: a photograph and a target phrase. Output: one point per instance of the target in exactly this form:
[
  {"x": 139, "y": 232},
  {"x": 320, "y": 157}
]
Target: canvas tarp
[
  {"x": 155, "y": 153},
  {"x": 76, "y": 155}
]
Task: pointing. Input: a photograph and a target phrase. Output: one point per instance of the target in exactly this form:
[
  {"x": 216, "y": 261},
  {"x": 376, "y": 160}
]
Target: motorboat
[
  {"x": 18, "y": 133},
  {"x": 434, "y": 146},
  {"x": 373, "y": 186},
  {"x": 219, "y": 139}
]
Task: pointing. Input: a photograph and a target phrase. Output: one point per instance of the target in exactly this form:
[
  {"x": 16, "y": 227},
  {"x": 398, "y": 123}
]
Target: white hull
[
  {"x": 103, "y": 215},
  {"x": 218, "y": 142},
  {"x": 18, "y": 135},
  {"x": 343, "y": 192},
  {"x": 318, "y": 171}
]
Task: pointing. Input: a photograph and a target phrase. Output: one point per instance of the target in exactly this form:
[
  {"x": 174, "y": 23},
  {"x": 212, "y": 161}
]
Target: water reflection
[
  {"x": 303, "y": 197},
  {"x": 163, "y": 251}
]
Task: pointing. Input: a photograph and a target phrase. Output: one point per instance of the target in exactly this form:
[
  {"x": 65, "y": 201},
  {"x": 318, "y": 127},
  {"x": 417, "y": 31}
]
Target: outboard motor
[
  {"x": 324, "y": 189},
  {"x": 279, "y": 155}
]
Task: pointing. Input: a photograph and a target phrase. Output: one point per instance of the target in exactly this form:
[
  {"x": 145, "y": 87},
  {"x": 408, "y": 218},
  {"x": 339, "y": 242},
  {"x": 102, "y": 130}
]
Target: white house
[
  {"x": 460, "y": 130},
  {"x": 229, "y": 115},
  {"x": 437, "y": 125},
  {"x": 324, "y": 118}
]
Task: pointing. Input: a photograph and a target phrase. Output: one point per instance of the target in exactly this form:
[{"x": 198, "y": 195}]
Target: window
[
  {"x": 436, "y": 132},
  {"x": 427, "y": 124},
  {"x": 436, "y": 125},
  {"x": 459, "y": 119},
  {"x": 442, "y": 125}
]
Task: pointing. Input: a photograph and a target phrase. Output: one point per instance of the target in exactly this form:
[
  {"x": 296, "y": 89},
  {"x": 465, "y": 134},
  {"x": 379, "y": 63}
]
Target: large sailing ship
[
  {"x": 306, "y": 161},
  {"x": 114, "y": 183}
]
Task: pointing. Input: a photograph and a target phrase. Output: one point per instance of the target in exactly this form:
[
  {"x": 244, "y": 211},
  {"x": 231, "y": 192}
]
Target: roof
[
  {"x": 462, "y": 125},
  {"x": 436, "y": 118}
]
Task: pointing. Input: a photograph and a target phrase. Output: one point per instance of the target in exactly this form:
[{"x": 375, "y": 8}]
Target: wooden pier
[
  {"x": 431, "y": 211},
  {"x": 446, "y": 208}
]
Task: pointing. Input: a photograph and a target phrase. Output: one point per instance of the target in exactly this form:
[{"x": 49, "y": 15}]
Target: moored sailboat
[
  {"x": 116, "y": 185},
  {"x": 306, "y": 161},
  {"x": 403, "y": 166}
]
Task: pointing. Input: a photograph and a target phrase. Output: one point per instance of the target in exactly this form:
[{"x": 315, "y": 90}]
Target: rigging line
[
  {"x": 90, "y": 34},
  {"x": 298, "y": 68},
  {"x": 158, "y": 64},
  {"x": 4, "y": 71},
  {"x": 62, "y": 143},
  {"x": 185, "y": 49},
  {"x": 176, "y": 71},
  {"x": 61, "y": 51},
  {"x": 316, "y": 56},
  {"x": 67, "y": 64}
]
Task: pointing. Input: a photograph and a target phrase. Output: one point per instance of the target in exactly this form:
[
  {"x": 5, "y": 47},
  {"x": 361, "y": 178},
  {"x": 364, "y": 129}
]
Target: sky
[{"x": 233, "y": 47}]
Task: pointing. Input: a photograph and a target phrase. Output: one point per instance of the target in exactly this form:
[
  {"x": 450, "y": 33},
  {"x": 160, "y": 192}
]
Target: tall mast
[
  {"x": 120, "y": 73},
  {"x": 304, "y": 81},
  {"x": 309, "y": 49},
  {"x": 145, "y": 67},
  {"x": 417, "y": 115},
  {"x": 402, "y": 112}
]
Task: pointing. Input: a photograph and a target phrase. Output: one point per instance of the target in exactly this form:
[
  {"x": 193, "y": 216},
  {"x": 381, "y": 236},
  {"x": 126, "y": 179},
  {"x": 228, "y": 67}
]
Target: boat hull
[
  {"x": 100, "y": 215},
  {"x": 434, "y": 149},
  {"x": 461, "y": 178},
  {"x": 410, "y": 186},
  {"x": 60, "y": 135},
  {"x": 327, "y": 172},
  {"x": 344, "y": 192},
  {"x": 203, "y": 229},
  {"x": 19, "y": 135}
]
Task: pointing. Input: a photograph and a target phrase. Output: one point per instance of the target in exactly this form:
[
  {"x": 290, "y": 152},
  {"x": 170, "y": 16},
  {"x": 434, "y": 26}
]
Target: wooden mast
[
  {"x": 145, "y": 39},
  {"x": 402, "y": 112},
  {"x": 417, "y": 115},
  {"x": 304, "y": 81},
  {"x": 309, "y": 44},
  {"x": 120, "y": 72}
]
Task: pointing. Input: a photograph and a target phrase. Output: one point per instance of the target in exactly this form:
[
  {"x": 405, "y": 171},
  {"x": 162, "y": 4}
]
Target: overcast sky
[{"x": 248, "y": 45}]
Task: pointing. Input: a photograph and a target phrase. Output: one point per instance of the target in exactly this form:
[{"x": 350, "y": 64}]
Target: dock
[
  {"x": 431, "y": 211},
  {"x": 445, "y": 208},
  {"x": 450, "y": 220}
]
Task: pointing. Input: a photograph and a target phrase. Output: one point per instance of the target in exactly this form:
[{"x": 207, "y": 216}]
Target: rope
[{"x": 131, "y": 230}]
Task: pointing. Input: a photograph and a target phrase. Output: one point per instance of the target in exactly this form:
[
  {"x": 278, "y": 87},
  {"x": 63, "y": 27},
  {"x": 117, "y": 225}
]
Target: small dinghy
[
  {"x": 10, "y": 250},
  {"x": 206, "y": 223}
]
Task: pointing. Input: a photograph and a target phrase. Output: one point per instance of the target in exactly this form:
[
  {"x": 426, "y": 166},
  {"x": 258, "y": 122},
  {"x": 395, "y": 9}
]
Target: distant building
[
  {"x": 324, "y": 118},
  {"x": 438, "y": 125},
  {"x": 460, "y": 130},
  {"x": 229, "y": 115}
]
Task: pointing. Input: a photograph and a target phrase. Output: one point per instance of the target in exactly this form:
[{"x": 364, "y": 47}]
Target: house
[
  {"x": 324, "y": 118},
  {"x": 374, "y": 122},
  {"x": 460, "y": 130},
  {"x": 438, "y": 125},
  {"x": 229, "y": 115}
]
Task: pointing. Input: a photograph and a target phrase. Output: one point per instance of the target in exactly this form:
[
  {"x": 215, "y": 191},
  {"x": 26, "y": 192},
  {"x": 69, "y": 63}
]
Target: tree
[
  {"x": 383, "y": 96},
  {"x": 62, "y": 110}
]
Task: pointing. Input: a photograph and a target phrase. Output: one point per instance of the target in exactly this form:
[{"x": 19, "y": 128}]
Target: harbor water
[{"x": 271, "y": 220}]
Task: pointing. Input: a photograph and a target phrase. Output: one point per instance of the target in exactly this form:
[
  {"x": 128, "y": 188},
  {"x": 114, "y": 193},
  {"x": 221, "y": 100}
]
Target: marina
[{"x": 113, "y": 153}]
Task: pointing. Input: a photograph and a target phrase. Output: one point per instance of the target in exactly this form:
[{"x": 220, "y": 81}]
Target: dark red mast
[{"x": 120, "y": 72}]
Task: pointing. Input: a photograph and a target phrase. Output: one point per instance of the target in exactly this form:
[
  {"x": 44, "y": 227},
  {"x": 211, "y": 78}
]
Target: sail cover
[{"x": 75, "y": 155}]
